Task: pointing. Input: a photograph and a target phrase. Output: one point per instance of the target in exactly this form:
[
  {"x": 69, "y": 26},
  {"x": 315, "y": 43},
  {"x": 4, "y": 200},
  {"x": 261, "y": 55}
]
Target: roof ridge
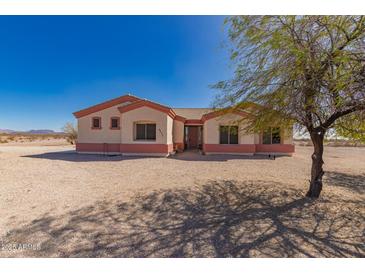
[
  {"x": 192, "y": 108},
  {"x": 145, "y": 99},
  {"x": 105, "y": 104}
]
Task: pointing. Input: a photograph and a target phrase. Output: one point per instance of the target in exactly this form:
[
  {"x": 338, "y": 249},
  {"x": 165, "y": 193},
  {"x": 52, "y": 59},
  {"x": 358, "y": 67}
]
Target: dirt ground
[
  {"x": 20, "y": 139},
  {"x": 56, "y": 203}
]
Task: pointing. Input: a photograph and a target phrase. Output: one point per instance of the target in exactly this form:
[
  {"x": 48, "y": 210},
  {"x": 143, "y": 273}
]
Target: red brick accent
[
  {"x": 164, "y": 148},
  {"x": 124, "y": 148},
  {"x": 249, "y": 148},
  {"x": 275, "y": 148},
  {"x": 146, "y": 148},
  {"x": 92, "y": 147}
]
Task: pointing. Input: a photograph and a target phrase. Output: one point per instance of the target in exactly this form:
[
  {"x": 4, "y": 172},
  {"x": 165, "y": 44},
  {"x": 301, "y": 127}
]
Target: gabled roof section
[
  {"x": 185, "y": 115},
  {"x": 221, "y": 112},
  {"x": 146, "y": 103},
  {"x": 192, "y": 113},
  {"x": 117, "y": 101}
]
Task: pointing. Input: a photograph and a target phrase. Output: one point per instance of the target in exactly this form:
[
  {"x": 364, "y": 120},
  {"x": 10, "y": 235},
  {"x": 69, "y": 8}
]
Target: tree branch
[
  {"x": 349, "y": 38},
  {"x": 339, "y": 114}
]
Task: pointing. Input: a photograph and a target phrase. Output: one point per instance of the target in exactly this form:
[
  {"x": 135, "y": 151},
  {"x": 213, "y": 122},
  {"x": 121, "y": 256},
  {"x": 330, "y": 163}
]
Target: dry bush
[{"x": 71, "y": 133}]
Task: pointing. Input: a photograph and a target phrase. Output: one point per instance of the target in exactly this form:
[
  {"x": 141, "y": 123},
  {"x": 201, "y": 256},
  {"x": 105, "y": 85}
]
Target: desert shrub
[{"x": 71, "y": 133}]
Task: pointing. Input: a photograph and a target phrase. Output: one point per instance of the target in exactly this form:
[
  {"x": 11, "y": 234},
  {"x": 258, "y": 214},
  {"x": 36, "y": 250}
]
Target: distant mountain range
[{"x": 32, "y": 131}]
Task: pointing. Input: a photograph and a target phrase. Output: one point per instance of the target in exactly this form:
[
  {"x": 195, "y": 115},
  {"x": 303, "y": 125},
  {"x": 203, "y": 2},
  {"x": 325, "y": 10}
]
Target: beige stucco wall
[
  {"x": 178, "y": 132},
  {"x": 103, "y": 135},
  {"x": 170, "y": 127},
  {"x": 287, "y": 135},
  {"x": 168, "y": 130},
  {"x": 211, "y": 129},
  {"x": 146, "y": 114},
  {"x": 164, "y": 126}
]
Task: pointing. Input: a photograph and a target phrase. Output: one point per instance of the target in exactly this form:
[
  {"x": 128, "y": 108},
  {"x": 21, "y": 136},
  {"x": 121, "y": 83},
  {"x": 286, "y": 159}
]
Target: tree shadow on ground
[
  {"x": 218, "y": 219},
  {"x": 72, "y": 156},
  {"x": 352, "y": 182}
]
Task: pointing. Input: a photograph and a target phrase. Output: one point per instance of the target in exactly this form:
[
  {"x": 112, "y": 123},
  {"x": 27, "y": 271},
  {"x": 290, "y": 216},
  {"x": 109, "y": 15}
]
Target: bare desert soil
[
  {"x": 56, "y": 203},
  {"x": 20, "y": 139}
]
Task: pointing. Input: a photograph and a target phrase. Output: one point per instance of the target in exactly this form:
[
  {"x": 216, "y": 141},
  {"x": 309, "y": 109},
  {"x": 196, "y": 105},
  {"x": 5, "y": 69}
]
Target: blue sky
[{"x": 51, "y": 66}]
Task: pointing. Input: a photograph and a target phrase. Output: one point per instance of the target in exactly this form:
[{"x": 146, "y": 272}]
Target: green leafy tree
[
  {"x": 303, "y": 70},
  {"x": 71, "y": 133},
  {"x": 352, "y": 126}
]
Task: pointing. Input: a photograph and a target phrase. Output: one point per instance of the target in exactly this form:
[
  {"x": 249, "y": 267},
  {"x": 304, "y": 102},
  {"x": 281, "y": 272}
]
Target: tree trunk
[{"x": 317, "y": 172}]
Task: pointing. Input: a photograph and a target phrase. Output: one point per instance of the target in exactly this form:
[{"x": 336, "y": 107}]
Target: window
[
  {"x": 114, "y": 123},
  {"x": 271, "y": 136},
  {"x": 145, "y": 131},
  {"x": 266, "y": 137},
  {"x": 275, "y": 135},
  {"x": 223, "y": 133},
  {"x": 233, "y": 135},
  {"x": 228, "y": 135},
  {"x": 96, "y": 123}
]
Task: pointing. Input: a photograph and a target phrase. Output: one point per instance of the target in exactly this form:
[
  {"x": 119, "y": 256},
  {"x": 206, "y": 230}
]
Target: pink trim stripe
[
  {"x": 276, "y": 148},
  {"x": 90, "y": 147},
  {"x": 125, "y": 148},
  {"x": 168, "y": 148},
  {"x": 280, "y": 148},
  {"x": 146, "y": 148}
]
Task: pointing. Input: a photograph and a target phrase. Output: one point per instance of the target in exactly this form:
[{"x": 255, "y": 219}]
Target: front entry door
[{"x": 193, "y": 137}]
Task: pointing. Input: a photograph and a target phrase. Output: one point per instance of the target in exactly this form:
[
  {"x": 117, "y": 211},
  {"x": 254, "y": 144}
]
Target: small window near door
[
  {"x": 275, "y": 136},
  {"x": 271, "y": 136},
  {"x": 224, "y": 135},
  {"x": 145, "y": 131},
  {"x": 96, "y": 123},
  {"x": 266, "y": 137},
  {"x": 114, "y": 123},
  {"x": 228, "y": 134}
]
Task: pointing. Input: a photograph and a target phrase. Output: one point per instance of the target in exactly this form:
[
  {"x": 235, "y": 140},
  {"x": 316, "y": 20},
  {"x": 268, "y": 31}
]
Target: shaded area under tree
[{"x": 218, "y": 219}]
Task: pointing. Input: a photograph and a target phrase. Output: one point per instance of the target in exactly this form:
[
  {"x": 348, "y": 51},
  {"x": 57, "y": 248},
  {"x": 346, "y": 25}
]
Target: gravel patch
[{"x": 56, "y": 203}]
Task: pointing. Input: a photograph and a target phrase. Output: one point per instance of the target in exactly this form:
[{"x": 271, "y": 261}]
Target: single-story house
[{"x": 130, "y": 125}]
